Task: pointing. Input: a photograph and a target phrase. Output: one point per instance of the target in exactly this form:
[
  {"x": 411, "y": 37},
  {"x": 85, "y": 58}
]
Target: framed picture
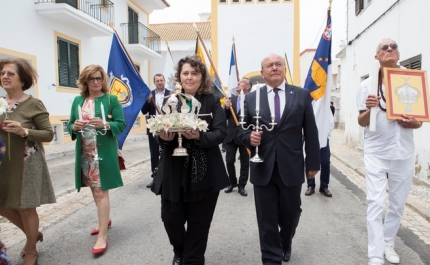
[{"x": 406, "y": 92}]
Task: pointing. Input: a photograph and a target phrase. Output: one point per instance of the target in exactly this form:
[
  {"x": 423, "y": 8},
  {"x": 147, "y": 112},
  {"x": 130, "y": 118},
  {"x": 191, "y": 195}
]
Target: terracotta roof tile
[{"x": 183, "y": 31}]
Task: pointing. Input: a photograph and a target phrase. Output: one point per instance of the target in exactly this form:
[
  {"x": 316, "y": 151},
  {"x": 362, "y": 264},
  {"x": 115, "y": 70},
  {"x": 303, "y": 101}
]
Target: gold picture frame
[{"x": 406, "y": 92}]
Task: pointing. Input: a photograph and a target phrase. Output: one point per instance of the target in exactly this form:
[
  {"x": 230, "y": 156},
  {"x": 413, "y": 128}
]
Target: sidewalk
[{"x": 419, "y": 195}]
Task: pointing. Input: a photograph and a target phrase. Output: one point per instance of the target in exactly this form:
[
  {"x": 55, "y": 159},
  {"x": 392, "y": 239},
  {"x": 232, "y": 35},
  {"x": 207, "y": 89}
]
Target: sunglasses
[
  {"x": 392, "y": 45},
  {"x": 7, "y": 73}
]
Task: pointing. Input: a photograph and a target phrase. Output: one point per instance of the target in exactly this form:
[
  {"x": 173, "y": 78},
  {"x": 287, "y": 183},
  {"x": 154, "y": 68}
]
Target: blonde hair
[{"x": 86, "y": 73}]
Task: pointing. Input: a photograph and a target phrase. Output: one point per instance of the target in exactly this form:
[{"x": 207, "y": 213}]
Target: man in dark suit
[
  {"x": 233, "y": 143},
  {"x": 278, "y": 180},
  {"x": 154, "y": 103}
]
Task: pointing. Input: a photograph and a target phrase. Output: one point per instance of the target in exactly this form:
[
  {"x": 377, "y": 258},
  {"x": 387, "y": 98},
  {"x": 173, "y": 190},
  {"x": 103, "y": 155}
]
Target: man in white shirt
[
  {"x": 388, "y": 156},
  {"x": 154, "y": 103}
]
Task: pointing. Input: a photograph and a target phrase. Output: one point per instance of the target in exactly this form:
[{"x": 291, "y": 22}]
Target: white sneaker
[
  {"x": 374, "y": 263},
  {"x": 391, "y": 255}
]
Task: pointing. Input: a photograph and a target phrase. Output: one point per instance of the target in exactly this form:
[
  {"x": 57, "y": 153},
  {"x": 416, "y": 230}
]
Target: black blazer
[
  {"x": 231, "y": 126},
  {"x": 285, "y": 141},
  {"x": 171, "y": 166},
  {"x": 149, "y": 108}
]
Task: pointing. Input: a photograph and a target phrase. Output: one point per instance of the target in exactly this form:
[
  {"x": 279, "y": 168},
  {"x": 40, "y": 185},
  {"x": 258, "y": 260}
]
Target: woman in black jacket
[{"x": 190, "y": 185}]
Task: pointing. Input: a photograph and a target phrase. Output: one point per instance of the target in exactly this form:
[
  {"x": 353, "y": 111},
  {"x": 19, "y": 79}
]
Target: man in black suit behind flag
[
  {"x": 154, "y": 103},
  {"x": 233, "y": 143},
  {"x": 278, "y": 180}
]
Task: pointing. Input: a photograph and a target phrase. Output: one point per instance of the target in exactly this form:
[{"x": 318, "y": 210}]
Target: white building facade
[
  {"x": 60, "y": 38},
  {"x": 368, "y": 23},
  {"x": 259, "y": 27}
]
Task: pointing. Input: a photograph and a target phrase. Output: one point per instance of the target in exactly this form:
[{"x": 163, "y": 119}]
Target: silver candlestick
[
  {"x": 96, "y": 155},
  {"x": 256, "y": 158}
]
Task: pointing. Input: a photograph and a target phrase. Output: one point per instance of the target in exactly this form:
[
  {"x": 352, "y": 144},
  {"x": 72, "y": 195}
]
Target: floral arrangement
[
  {"x": 4, "y": 106},
  {"x": 175, "y": 122}
]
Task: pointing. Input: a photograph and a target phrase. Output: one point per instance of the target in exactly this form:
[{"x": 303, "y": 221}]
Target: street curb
[{"x": 413, "y": 201}]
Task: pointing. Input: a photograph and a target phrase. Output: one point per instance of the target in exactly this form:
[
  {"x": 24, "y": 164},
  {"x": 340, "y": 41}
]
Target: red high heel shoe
[
  {"x": 99, "y": 251},
  {"x": 95, "y": 231}
]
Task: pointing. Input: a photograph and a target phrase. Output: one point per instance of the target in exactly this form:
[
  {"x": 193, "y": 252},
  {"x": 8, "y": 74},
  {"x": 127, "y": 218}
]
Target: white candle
[
  {"x": 103, "y": 113},
  {"x": 80, "y": 112},
  {"x": 257, "y": 99},
  {"x": 242, "y": 102},
  {"x": 374, "y": 91}
]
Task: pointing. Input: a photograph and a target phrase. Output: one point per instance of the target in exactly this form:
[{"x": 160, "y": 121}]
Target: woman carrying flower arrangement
[
  {"x": 190, "y": 185},
  {"x": 24, "y": 177}
]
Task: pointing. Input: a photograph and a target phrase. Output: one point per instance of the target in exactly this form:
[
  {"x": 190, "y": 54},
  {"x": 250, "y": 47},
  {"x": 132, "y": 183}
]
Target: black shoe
[
  {"x": 286, "y": 255},
  {"x": 242, "y": 191},
  {"x": 310, "y": 191},
  {"x": 229, "y": 189},
  {"x": 326, "y": 192},
  {"x": 150, "y": 184},
  {"x": 177, "y": 260}
]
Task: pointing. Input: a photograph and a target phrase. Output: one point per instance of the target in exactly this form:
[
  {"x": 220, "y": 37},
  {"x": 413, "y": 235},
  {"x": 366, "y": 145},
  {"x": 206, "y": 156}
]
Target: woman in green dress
[{"x": 96, "y": 119}]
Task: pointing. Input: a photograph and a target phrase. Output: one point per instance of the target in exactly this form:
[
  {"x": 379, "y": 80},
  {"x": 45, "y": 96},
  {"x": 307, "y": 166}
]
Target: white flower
[
  {"x": 4, "y": 106},
  {"x": 202, "y": 125},
  {"x": 175, "y": 121}
]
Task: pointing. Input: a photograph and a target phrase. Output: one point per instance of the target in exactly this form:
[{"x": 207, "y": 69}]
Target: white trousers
[{"x": 400, "y": 173}]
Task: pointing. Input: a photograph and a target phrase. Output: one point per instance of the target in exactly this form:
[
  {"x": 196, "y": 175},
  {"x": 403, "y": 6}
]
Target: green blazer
[{"x": 107, "y": 145}]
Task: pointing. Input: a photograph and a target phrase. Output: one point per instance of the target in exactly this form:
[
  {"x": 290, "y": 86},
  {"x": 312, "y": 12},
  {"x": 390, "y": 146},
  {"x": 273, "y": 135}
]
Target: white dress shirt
[
  {"x": 159, "y": 97},
  {"x": 390, "y": 140},
  {"x": 271, "y": 98}
]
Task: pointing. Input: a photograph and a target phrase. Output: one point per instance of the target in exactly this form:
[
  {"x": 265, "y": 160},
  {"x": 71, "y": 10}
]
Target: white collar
[{"x": 281, "y": 87}]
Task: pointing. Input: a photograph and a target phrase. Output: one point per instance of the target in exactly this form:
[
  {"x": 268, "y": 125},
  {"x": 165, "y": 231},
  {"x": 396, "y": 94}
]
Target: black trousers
[
  {"x": 190, "y": 243},
  {"x": 277, "y": 206},
  {"x": 230, "y": 158},
  {"x": 154, "y": 150}
]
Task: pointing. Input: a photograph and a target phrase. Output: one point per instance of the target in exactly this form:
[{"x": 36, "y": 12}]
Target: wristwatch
[{"x": 25, "y": 133}]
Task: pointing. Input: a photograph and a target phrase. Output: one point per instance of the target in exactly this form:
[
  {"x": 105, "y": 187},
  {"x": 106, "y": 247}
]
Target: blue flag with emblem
[
  {"x": 319, "y": 83},
  {"x": 125, "y": 83}
]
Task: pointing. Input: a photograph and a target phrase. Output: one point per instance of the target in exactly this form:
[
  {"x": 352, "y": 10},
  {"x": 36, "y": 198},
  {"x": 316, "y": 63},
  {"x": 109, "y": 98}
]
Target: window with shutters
[
  {"x": 68, "y": 62},
  {"x": 412, "y": 63},
  {"x": 65, "y": 124},
  {"x": 360, "y": 5}
]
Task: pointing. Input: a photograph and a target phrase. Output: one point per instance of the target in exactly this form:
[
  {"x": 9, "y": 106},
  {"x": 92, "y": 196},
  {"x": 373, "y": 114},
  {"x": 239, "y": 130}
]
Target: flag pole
[
  {"x": 235, "y": 60},
  {"x": 219, "y": 79},
  {"x": 329, "y": 10},
  {"x": 216, "y": 72},
  {"x": 129, "y": 57}
]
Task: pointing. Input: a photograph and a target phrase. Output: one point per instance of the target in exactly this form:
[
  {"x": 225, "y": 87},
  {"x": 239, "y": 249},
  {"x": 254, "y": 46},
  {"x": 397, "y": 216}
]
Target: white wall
[
  {"x": 27, "y": 33},
  {"x": 405, "y": 23},
  {"x": 258, "y": 29}
]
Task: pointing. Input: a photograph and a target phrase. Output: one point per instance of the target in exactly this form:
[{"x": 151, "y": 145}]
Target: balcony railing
[
  {"x": 102, "y": 10},
  {"x": 136, "y": 32}
]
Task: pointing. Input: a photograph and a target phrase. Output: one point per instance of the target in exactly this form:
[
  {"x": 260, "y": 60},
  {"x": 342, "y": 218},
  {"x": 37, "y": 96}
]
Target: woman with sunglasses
[
  {"x": 24, "y": 177},
  {"x": 96, "y": 119}
]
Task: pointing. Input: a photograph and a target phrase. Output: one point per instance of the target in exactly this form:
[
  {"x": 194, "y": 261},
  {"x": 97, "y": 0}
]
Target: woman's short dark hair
[
  {"x": 27, "y": 74},
  {"x": 196, "y": 62},
  {"x": 86, "y": 73}
]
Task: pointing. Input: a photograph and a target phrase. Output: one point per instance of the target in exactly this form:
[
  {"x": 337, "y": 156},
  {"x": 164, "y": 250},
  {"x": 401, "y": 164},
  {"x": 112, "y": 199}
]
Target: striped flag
[
  {"x": 288, "y": 77},
  {"x": 233, "y": 78},
  {"x": 319, "y": 83}
]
